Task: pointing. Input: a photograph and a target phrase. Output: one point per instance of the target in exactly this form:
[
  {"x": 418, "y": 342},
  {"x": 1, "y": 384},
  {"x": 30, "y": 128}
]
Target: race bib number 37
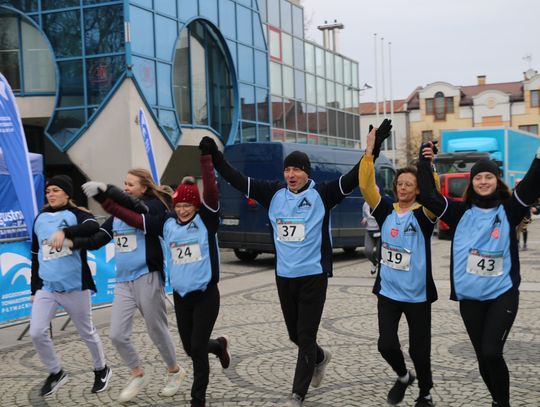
[
  {"x": 50, "y": 253},
  {"x": 290, "y": 230},
  {"x": 395, "y": 257},
  {"x": 186, "y": 252},
  {"x": 484, "y": 263}
]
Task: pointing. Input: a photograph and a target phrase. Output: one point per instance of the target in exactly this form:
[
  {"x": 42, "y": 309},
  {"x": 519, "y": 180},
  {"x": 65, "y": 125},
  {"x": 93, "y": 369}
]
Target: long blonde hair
[{"x": 152, "y": 189}]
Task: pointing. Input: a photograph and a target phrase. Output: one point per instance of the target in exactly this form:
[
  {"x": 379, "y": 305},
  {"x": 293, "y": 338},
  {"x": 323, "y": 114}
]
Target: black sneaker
[
  {"x": 425, "y": 401},
  {"x": 53, "y": 382},
  {"x": 101, "y": 379},
  {"x": 225, "y": 357},
  {"x": 397, "y": 392}
]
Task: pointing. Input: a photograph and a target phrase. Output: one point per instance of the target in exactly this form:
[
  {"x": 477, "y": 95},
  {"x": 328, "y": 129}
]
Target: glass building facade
[{"x": 240, "y": 69}]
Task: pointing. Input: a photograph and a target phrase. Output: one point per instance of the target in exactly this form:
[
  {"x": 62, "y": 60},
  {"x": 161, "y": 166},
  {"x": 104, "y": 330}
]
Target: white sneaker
[
  {"x": 134, "y": 386},
  {"x": 294, "y": 401},
  {"x": 173, "y": 382},
  {"x": 318, "y": 373}
]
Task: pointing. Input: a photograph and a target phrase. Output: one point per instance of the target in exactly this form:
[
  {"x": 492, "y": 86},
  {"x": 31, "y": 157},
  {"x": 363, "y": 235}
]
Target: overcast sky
[{"x": 434, "y": 40}]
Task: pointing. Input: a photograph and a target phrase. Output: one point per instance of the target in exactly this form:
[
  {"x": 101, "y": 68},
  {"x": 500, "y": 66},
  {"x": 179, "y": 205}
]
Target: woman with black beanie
[{"x": 484, "y": 267}]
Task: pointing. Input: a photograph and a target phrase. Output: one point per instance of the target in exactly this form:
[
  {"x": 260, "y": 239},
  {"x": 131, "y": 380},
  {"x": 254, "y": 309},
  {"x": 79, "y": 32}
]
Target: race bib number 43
[
  {"x": 484, "y": 263},
  {"x": 186, "y": 252},
  {"x": 50, "y": 253},
  {"x": 290, "y": 230},
  {"x": 395, "y": 257},
  {"x": 125, "y": 241}
]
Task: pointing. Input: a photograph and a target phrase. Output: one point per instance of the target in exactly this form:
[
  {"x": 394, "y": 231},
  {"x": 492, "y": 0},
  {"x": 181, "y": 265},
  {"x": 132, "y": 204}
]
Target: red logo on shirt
[
  {"x": 394, "y": 232},
  {"x": 495, "y": 233}
]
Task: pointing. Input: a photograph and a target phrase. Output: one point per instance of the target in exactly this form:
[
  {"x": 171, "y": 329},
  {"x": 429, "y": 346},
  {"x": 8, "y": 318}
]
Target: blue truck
[
  {"x": 513, "y": 149},
  {"x": 245, "y": 226}
]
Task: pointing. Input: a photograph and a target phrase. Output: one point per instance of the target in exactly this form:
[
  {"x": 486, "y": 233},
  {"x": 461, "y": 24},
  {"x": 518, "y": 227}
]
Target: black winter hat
[
  {"x": 63, "y": 182},
  {"x": 298, "y": 159},
  {"x": 485, "y": 165}
]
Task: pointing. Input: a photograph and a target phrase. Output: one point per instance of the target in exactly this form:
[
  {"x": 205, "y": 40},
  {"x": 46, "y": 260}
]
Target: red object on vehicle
[{"x": 453, "y": 186}]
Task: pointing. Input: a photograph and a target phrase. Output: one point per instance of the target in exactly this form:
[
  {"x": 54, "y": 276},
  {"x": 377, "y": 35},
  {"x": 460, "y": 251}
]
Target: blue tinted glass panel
[
  {"x": 209, "y": 9},
  {"x": 104, "y": 30},
  {"x": 232, "y": 49},
  {"x": 258, "y": 36},
  {"x": 264, "y": 133},
  {"x": 99, "y": 1},
  {"x": 187, "y": 9},
  {"x": 273, "y": 12},
  {"x": 261, "y": 68},
  {"x": 167, "y": 119},
  {"x": 64, "y": 32},
  {"x": 298, "y": 46},
  {"x": 247, "y": 100},
  {"x": 166, "y": 36},
  {"x": 144, "y": 3},
  {"x": 71, "y": 92},
  {"x": 166, "y": 7},
  {"x": 245, "y": 56},
  {"x": 299, "y": 85},
  {"x": 145, "y": 73},
  {"x": 297, "y": 21},
  {"x": 249, "y": 132},
  {"x": 262, "y": 96},
  {"x": 164, "y": 85},
  {"x": 286, "y": 16},
  {"x": 66, "y": 125},
  {"x": 245, "y": 2},
  {"x": 23, "y": 5},
  {"x": 56, "y": 4},
  {"x": 244, "y": 25},
  {"x": 262, "y": 8},
  {"x": 101, "y": 75},
  {"x": 227, "y": 21},
  {"x": 142, "y": 25}
]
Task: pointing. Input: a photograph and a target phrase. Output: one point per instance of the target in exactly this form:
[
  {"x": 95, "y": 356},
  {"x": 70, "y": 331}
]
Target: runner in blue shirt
[
  {"x": 484, "y": 266},
  {"x": 299, "y": 214}
]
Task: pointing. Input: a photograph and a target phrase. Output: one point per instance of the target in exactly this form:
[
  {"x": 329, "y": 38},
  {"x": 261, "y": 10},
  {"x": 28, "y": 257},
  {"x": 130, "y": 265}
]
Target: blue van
[{"x": 245, "y": 225}]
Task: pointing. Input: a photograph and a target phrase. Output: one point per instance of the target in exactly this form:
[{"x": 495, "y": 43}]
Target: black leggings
[
  {"x": 419, "y": 320},
  {"x": 488, "y": 324},
  {"x": 302, "y": 302},
  {"x": 196, "y": 314}
]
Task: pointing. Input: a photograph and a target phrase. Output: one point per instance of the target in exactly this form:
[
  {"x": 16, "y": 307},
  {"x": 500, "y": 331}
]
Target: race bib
[
  {"x": 394, "y": 257},
  {"x": 291, "y": 229},
  {"x": 484, "y": 263},
  {"x": 186, "y": 252},
  {"x": 50, "y": 253},
  {"x": 125, "y": 241}
]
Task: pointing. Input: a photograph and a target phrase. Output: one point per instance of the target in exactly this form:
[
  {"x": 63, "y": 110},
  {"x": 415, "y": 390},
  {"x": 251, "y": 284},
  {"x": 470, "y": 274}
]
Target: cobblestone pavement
[{"x": 264, "y": 359}]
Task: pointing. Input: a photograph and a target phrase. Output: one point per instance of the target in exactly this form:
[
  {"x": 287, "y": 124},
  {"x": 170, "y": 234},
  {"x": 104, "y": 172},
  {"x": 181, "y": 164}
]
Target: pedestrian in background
[
  {"x": 372, "y": 238},
  {"x": 485, "y": 268},
  {"x": 61, "y": 278}
]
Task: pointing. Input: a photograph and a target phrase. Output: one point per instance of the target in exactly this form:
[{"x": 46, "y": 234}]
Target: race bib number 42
[
  {"x": 484, "y": 263},
  {"x": 186, "y": 252},
  {"x": 290, "y": 230},
  {"x": 50, "y": 253},
  {"x": 125, "y": 241},
  {"x": 395, "y": 257}
]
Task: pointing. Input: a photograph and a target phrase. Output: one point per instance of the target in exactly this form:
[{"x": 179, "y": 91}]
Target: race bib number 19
[
  {"x": 395, "y": 257},
  {"x": 484, "y": 263},
  {"x": 290, "y": 230},
  {"x": 187, "y": 252}
]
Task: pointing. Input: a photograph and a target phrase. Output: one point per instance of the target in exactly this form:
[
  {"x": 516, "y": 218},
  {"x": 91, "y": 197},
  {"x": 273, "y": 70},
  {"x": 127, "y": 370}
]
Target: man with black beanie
[{"x": 299, "y": 213}]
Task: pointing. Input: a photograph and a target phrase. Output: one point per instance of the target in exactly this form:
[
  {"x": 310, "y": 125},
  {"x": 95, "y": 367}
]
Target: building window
[
  {"x": 427, "y": 135},
  {"x": 274, "y": 42},
  {"x": 440, "y": 106},
  {"x": 535, "y": 100},
  {"x": 531, "y": 128}
]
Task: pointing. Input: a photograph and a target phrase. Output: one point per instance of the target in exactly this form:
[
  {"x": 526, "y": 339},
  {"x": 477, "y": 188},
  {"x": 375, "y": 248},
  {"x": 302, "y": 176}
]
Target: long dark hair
[{"x": 501, "y": 190}]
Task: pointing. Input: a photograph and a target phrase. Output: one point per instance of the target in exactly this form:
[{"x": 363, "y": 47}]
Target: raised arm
[
  {"x": 99, "y": 191},
  {"x": 528, "y": 190},
  {"x": 366, "y": 175},
  {"x": 429, "y": 197},
  {"x": 210, "y": 189}
]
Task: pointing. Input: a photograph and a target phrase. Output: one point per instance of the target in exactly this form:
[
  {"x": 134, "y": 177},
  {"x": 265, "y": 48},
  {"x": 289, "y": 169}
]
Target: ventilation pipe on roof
[{"x": 481, "y": 79}]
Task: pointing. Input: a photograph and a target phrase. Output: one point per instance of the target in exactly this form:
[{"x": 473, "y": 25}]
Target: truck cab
[{"x": 245, "y": 225}]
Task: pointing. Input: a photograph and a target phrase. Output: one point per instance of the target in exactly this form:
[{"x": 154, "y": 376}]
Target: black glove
[
  {"x": 208, "y": 146},
  {"x": 427, "y": 145},
  {"x": 383, "y": 132}
]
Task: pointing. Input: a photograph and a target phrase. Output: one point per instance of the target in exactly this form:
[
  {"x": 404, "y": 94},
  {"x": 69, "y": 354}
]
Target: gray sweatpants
[
  {"x": 147, "y": 295},
  {"x": 78, "y": 305}
]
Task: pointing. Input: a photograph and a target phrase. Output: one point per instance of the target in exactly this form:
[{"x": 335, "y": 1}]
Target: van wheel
[
  {"x": 349, "y": 250},
  {"x": 246, "y": 254}
]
